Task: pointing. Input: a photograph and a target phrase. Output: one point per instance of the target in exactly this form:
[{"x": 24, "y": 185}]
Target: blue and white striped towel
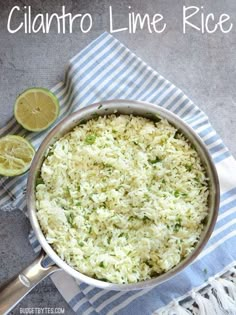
[{"x": 104, "y": 70}]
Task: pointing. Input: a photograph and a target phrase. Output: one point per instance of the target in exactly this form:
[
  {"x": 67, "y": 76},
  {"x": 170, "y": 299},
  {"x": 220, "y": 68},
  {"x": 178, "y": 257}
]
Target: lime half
[
  {"x": 16, "y": 154},
  {"x": 36, "y": 109}
]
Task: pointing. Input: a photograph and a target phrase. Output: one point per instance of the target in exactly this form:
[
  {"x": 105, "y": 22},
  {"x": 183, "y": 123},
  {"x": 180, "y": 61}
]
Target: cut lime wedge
[
  {"x": 36, "y": 109},
  {"x": 16, "y": 155}
]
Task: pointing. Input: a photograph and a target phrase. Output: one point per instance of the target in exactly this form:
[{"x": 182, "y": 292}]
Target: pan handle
[{"x": 13, "y": 291}]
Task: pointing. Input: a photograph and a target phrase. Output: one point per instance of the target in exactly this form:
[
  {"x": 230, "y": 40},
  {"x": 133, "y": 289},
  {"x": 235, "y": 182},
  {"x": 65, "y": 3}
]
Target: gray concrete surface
[{"x": 202, "y": 65}]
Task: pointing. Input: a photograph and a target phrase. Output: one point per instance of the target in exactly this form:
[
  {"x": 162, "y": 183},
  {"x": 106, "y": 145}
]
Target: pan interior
[{"x": 149, "y": 111}]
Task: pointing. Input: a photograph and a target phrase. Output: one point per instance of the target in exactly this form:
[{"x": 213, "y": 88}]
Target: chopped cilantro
[
  {"x": 156, "y": 160},
  {"x": 101, "y": 264},
  {"x": 146, "y": 219},
  {"x": 70, "y": 218},
  {"x": 178, "y": 225},
  {"x": 90, "y": 139},
  {"x": 179, "y": 220},
  {"x": 189, "y": 167},
  {"x": 176, "y": 193}
]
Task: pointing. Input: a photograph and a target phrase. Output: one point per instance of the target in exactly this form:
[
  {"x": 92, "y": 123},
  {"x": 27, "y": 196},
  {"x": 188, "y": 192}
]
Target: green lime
[
  {"x": 36, "y": 109},
  {"x": 16, "y": 154}
]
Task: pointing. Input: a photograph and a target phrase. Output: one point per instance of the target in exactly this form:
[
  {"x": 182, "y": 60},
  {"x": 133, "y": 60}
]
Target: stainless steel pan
[{"x": 18, "y": 287}]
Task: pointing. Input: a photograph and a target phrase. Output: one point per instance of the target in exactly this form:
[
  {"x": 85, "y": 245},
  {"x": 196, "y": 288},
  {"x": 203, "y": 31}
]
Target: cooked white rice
[{"x": 122, "y": 198}]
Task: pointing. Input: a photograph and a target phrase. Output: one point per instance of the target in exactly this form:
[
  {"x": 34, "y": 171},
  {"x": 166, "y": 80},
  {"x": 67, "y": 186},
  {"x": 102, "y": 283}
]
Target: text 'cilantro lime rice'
[{"x": 122, "y": 198}]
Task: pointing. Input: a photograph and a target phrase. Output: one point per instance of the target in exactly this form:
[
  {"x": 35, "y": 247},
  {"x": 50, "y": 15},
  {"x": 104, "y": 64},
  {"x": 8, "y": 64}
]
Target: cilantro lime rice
[{"x": 122, "y": 198}]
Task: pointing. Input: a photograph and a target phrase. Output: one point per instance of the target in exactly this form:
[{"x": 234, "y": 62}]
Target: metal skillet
[{"x": 18, "y": 287}]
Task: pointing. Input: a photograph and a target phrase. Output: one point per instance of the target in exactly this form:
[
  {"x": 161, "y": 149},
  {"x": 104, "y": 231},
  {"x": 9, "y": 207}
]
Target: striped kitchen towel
[{"x": 104, "y": 70}]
